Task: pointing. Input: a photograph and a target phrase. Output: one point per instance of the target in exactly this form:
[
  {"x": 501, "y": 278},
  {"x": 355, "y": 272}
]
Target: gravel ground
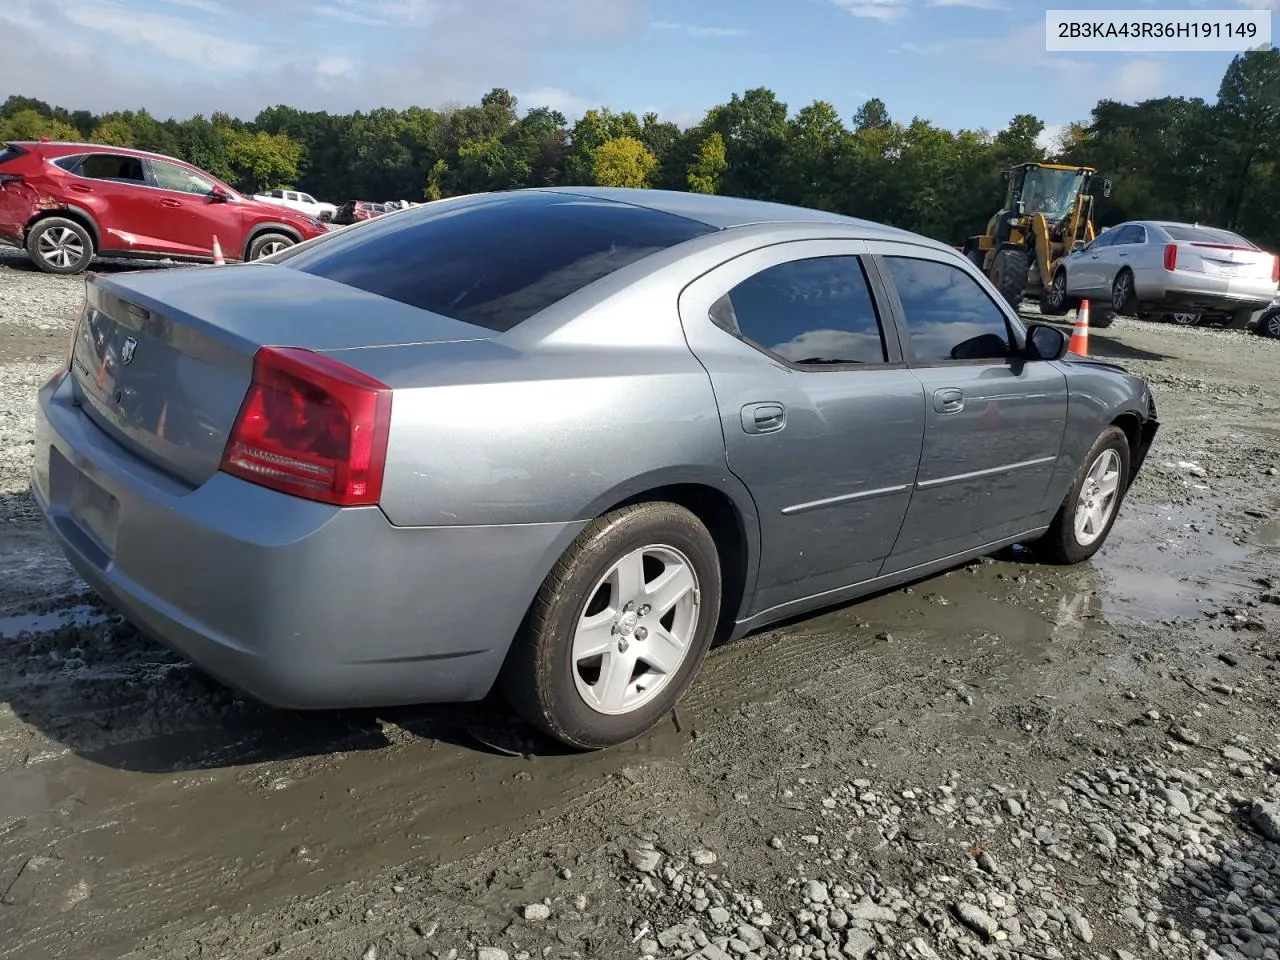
[{"x": 1004, "y": 761}]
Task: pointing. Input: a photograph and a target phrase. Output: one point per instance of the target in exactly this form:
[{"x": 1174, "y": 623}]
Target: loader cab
[{"x": 1049, "y": 188}]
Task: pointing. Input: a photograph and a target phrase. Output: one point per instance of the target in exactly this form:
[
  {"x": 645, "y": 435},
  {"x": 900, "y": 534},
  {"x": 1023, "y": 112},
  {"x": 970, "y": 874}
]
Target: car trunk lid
[
  {"x": 1226, "y": 261},
  {"x": 163, "y": 359}
]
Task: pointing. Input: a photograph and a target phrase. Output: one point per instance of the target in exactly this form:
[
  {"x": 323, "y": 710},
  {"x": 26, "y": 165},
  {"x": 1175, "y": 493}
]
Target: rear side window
[
  {"x": 9, "y": 153},
  {"x": 110, "y": 166},
  {"x": 1192, "y": 234},
  {"x": 1130, "y": 233},
  {"x": 949, "y": 316},
  {"x": 500, "y": 261},
  {"x": 71, "y": 164},
  {"x": 808, "y": 312}
]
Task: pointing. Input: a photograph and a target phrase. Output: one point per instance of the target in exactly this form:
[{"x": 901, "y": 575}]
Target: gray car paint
[{"x": 503, "y": 447}]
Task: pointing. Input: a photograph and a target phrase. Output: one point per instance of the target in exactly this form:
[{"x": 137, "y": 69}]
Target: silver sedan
[
  {"x": 560, "y": 440},
  {"x": 1149, "y": 267}
]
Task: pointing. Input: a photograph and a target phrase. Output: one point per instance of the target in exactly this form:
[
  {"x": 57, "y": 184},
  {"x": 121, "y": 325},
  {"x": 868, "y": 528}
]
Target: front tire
[
  {"x": 1053, "y": 302},
  {"x": 264, "y": 245},
  {"x": 1009, "y": 274},
  {"x": 1269, "y": 325},
  {"x": 1084, "y": 521},
  {"x": 619, "y": 628},
  {"x": 60, "y": 245},
  {"x": 1123, "y": 299}
]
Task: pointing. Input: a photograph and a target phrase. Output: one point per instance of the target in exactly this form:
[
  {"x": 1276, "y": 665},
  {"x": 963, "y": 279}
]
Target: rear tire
[
  {"x": 265, "y": 244},
  {"x": 60, "y": 245},
  {"x": 598, "y": 597},
  {"x": 1009, "y": 274},
  {"x": 1102, "y": 318},
  {"x": 1084, "y": 521}
]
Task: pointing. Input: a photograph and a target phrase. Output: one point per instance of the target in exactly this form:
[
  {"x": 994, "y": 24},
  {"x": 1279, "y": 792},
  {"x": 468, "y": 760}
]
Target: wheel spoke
[
  {"x": 627, "y": 579},
  {"x": 615, "y": 680},
  {"x": 594, "y": 636},
  {"x": 665, "y": 592},
  {"x": 1109, "y": 484},
  {"x": 663, "y": 651}
]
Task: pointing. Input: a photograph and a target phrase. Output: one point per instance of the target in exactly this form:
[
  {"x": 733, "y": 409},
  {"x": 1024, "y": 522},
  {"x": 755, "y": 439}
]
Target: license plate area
[
  {"x": 96, "y": 512},
  {"x": 1215, "y": 269}
]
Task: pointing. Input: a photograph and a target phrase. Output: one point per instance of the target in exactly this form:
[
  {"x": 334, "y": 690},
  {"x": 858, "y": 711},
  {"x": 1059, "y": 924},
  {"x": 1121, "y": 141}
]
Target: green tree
[
  {"x": 114, "y": 132},
  {"x": 259, "y": 159},
  {"x": 622, "y": 162},
  {"x": 709, "y": 165}
]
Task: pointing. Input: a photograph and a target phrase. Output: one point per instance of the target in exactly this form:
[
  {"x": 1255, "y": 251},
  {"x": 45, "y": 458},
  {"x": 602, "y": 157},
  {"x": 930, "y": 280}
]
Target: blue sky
[{"x": 922, "y": 57}]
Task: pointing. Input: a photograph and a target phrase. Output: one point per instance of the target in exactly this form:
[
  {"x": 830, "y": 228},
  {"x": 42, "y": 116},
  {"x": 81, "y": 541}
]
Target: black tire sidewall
[
  {"x": 1126, "y": 308},
  {"x": 263, "y": 239},
  {"x": 1009, "y": 274},
  {"x": 562, "y": 712},
  {"x": 49, "y": 223},
  {"x": 1062, "y": 535}
]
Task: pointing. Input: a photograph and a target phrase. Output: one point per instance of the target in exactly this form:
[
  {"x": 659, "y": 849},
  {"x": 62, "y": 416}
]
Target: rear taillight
[
  {"x": 1275, "y": 269},
  {"x": 1171, "y": 256},
  {"x": 311, "y": 427}
]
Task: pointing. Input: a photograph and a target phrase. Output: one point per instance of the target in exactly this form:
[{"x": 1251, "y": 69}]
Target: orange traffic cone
[
  {"x": 217, "y": 252},
  {"x": 1080, "y": 332}
]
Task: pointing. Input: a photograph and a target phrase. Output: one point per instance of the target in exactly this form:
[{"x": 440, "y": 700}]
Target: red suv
[{"x": 69, "y": 202}]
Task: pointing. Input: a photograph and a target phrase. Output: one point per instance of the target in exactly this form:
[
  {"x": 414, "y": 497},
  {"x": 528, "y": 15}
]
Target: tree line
[{"x": 1169, "y": 158}]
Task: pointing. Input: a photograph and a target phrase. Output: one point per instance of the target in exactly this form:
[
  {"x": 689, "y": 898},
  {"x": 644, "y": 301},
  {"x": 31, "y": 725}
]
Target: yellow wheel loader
[{"x": 1048, "y": 212}]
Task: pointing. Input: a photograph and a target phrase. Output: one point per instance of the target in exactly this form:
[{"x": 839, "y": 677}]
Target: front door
[
  {"x": 189, "y": 217},
  {"x": 994, "y": 422},
  {"x": 822, "y": 421}
]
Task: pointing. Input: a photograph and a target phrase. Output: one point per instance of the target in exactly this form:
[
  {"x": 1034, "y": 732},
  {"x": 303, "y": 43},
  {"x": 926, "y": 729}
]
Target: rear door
[
  {"x": 1124, "y": 251},
  {"x": 189, "y": 217},
  {"x": 822, "y": 421},
  {"x": 993, "y": 422}
]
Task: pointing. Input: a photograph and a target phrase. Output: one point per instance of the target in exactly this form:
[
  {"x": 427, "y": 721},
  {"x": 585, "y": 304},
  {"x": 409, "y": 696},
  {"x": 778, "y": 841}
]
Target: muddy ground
[{"x": 1008, "y": 760}]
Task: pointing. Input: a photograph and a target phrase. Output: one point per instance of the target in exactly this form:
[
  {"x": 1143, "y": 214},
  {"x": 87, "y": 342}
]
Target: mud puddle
[
  {"x": 80, "y": 615},
  {"x": 130, "y": 850}
]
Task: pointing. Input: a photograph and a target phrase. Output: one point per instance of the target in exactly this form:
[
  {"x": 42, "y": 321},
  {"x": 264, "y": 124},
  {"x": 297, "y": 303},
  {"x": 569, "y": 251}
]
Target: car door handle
[
  {"x": 1122, "y": 254},
  {"x": 948, "y": 400},
  {"x": 166, "y": 202},
  {"x": 763, "y": 417}
]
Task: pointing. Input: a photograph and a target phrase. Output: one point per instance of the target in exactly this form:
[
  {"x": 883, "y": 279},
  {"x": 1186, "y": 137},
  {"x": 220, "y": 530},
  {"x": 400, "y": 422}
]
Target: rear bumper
[
  {"x": 1182, "y": 294},
  {"x": 296, "y": 604}
]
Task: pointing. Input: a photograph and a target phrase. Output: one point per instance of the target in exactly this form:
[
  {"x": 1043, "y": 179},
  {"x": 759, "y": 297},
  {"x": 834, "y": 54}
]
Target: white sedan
[
  {"x": 1152, "y": 268},
  {"x": 302, "y": 202}
]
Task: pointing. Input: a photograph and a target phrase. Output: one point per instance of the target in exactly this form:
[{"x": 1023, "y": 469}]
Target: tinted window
[
  {"x": 9, "y": 153},
  {"x": 1193, "y": 234},
  {"x": 808, "y": 312},
  {"x": 1130, "y": 233},
  {"x": 109, "y": 166},
  {"x": 949, "y": 317},
  {"x": 69, "y": 163},
  {"x": 171, "y": 176},
  {"x": 497, "y": 262}
]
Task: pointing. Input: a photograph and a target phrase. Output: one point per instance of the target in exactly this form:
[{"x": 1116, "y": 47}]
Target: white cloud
[
  {"x": 696, "y": 31},
  {"x": 166, "y": 35},
  {"x": 1139, "y": 79},
  {"x": 1051, "y": 136},
  {"x": 349, "y": 16},
  {"x": 570, "y": 104},
  {"x": 335, "y": 66},
  {"x": 975, "y": 4},
  {"x": 205, "y": 6},
  {"x": 875, "y": 9}
]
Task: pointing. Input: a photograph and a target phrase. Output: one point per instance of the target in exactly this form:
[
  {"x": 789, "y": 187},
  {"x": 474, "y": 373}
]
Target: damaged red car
[{"x": 66, "y": 203}]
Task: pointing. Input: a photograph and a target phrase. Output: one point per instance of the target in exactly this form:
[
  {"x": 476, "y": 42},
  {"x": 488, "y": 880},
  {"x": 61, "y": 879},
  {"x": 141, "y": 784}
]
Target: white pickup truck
[{"x": 302, "y": 202}]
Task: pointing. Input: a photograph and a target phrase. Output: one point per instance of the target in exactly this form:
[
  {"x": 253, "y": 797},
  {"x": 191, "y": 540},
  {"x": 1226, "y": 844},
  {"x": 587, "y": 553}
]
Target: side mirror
[
  {"x": 1106, "y": 188},
  {"x": 218, "y": 195},
  {"x": 1021, "y": 207},
  {"x": 1045, "y": 342}
]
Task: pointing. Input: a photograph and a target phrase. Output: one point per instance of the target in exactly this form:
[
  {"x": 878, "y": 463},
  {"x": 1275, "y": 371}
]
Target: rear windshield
[
  {"x": 1206, "y": 235},
  {"x": 10, "y": 152},
  {"x": 498, "y": 262}
]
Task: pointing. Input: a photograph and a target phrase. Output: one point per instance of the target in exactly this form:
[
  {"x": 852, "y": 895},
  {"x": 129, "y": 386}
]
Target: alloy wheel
[
  {"x": 1120, "y": 293},
  {"x": 1058, "y": 291},
  {"x": 636, "y": 629},
  {"x": 60, "y": 247},
  {"x": 270, "y": 247},
  {"x": 1098, "y": 497}
]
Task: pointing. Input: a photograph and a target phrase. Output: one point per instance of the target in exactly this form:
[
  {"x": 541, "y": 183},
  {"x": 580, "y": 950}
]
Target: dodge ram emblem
[{"x": 127, "y": 350}]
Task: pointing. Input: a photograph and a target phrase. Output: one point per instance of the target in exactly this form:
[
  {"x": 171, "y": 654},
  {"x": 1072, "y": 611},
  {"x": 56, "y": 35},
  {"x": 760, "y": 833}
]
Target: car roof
[
  {"x": 719, "y": 211},
  {"x": 70, "y": 146}
]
